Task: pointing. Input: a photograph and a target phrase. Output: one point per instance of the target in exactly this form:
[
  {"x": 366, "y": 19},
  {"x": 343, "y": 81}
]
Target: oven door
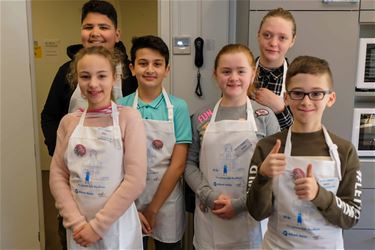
[
  {"x": 363, "y": 137},
  {"x": 366, "y": 64}
]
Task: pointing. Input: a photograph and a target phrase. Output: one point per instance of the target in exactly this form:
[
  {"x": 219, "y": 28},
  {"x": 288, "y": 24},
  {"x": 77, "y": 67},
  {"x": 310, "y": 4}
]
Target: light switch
[{"x": 181, "y": 45}]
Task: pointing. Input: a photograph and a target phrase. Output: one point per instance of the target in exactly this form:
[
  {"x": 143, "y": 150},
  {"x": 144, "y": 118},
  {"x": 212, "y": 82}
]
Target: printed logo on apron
[
  {"x": 297, "y": 223},
  {"x": 227, "y": 147},
  {"x": 170, "y": 220},
  {"x": 94, "y": 157}
]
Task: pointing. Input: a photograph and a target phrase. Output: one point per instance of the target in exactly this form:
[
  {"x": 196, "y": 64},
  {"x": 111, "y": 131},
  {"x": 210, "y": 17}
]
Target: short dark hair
[
  {"x": 149, "y": 42},
  {"x": 102, "y": 7},
  {"x": 308, "y": 65}
]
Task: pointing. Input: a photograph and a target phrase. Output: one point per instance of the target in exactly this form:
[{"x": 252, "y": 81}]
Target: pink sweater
[{"x": 134, "y": 164}]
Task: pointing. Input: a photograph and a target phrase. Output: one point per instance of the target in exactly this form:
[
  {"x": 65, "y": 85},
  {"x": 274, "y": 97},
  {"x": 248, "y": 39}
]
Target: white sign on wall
[{"x": 51, "y": 49}]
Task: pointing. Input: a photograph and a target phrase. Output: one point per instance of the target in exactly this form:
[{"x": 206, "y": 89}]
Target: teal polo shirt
[{"x": 157, "y": 110}]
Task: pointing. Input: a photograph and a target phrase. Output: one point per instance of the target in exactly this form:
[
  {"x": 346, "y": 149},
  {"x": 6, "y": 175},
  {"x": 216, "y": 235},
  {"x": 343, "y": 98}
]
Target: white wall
[
  {"x": 208, "y": 19},
  {"x": 19, "y": 201},
  {"x": 137, "y": 18}
]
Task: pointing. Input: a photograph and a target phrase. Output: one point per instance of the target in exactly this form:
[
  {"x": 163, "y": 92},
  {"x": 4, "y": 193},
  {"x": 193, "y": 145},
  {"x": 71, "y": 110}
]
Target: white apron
[
  {"x": 226, "y": 151},
  {"x": 94, "y": 157},
  {"x": 281, "y": 96},
  {"x": 77, "y": 101},
  {"x": 285, "y": 68},
  {"x": 297, "y": 224},
  {"x": 170, "y": 220}
]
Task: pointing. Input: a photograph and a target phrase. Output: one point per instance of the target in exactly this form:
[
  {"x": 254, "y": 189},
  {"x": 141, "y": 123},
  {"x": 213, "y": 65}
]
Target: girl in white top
[
  {"x": 99, "y": 165},
  {"x": 219, "y": 157}
]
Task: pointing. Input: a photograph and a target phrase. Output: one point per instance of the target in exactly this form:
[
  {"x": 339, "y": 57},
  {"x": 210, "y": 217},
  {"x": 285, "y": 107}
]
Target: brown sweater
[{"x": 342, "y": 209}]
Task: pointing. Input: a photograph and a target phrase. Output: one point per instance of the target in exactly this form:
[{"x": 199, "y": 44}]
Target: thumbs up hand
[
  {"x": 275, "y": 163},
  {"x": 306, "y": 188}
]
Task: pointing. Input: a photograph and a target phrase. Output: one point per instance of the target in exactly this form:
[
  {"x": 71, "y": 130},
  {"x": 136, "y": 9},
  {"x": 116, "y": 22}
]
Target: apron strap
[
  {"x": 288, "y": 143},
  {"x": 250, "y": 115},
  {"x": 116, "y": 126},
  {"x": 333, "y": 152},
  {"x": 169, "y": 105},
  {"x": 135, "y": 101},
  {"x": 82, "y": 118},
  {"x": 213, "y": 117}
]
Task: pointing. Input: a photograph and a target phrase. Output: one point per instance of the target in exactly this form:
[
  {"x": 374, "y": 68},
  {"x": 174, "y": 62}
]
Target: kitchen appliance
[
  {"x": 363, "y": 137},
  {"x": 366, "y": 64}
]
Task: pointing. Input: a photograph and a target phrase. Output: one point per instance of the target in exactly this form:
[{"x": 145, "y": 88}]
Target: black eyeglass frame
[{"x": 309, "y": 94}]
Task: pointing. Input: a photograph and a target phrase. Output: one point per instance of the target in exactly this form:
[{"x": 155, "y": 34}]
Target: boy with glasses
[{"x": 308, "y": 181}]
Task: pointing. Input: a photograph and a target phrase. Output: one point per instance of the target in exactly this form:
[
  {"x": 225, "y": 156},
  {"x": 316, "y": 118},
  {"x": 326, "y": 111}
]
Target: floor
[{"x": 50, "y": 215}]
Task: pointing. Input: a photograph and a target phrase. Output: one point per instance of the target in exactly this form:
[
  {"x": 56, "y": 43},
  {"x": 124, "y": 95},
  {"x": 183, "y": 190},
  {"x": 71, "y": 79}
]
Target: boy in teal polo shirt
[{"x": 167, "y": 123}]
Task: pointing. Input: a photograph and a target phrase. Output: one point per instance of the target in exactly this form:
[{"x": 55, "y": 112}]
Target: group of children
[{"x": 116, "y": 173}]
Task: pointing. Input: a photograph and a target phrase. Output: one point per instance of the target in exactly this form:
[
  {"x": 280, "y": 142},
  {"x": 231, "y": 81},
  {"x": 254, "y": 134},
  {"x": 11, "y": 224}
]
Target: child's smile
[
  {"x": 148, "y": 77},
  {"x": 308, "y": 113},
  {"x": 149, "y": 68},
  {"x": 95, "y": 78},
  {"x": 275, "y": 38},
  {"x": 234, "y": 75},
  {"x": 98, "y": 30}
]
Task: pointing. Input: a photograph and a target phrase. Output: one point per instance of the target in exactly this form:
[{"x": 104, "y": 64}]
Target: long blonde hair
[{"x": 114, "y": 57}]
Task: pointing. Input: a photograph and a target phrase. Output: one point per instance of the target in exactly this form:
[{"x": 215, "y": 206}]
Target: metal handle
[{"x": 339, "y": 1}]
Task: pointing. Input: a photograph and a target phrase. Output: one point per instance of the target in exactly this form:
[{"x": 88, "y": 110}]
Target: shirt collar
[
  {"x": 275, "y": 72},
  {"x": 154, "y": 104}
]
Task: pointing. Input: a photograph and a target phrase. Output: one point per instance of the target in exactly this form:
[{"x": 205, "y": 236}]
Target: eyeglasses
[{"x": 316, "y": 95}]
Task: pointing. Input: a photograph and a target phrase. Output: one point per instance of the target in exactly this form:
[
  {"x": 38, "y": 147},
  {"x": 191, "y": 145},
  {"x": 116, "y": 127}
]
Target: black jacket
[{"x": 57, "y": 103}]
